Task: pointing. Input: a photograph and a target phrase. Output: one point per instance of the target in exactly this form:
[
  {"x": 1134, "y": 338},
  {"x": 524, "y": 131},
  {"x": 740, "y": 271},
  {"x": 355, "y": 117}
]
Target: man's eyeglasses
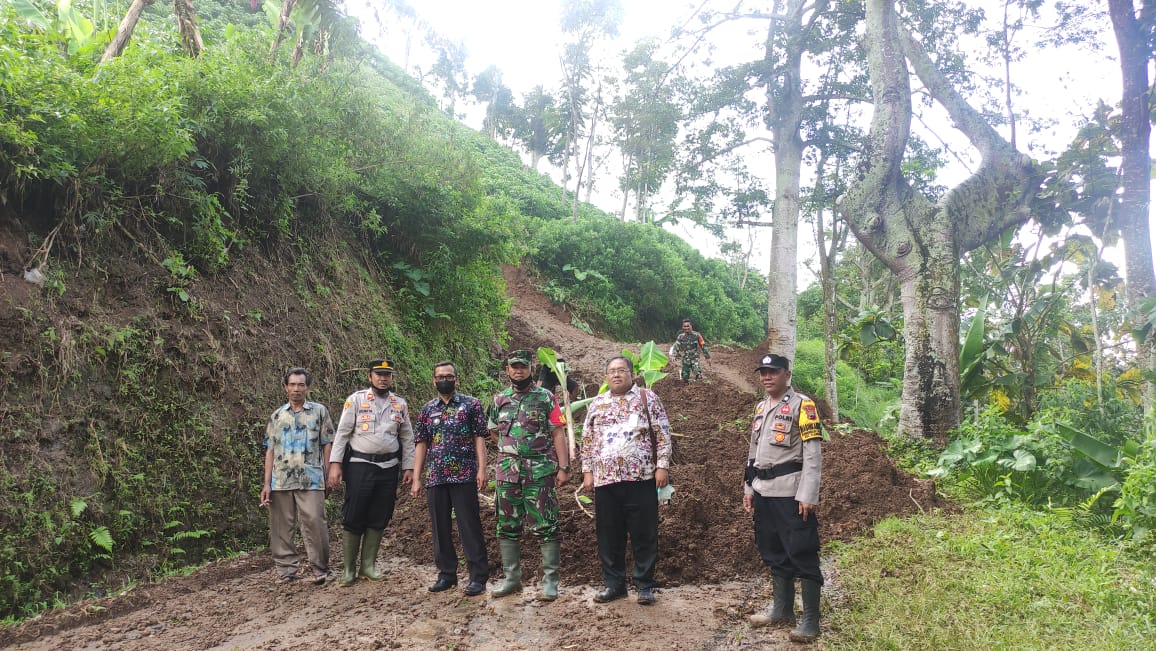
[
  {"x": 445, "y": 378},
  {"x": 618, "y": 371}
]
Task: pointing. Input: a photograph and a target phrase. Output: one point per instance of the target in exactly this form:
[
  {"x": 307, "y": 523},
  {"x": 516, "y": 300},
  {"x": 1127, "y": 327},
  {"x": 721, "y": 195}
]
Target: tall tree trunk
[
  {"x": 298, "y": 49},
  {"x": 830, "y": 309},
  {"x": 282, "y": 24},
  {"x": 124, "y": 31},
  {"x": 783, "y": 79},
  {"x": 1134, "y": 35},
  {"x": 186, "y": 16},
  {"x": 919, "y": 241},
  {"x": 929, "y": 291},
  {"x": 625, "y": 199}
]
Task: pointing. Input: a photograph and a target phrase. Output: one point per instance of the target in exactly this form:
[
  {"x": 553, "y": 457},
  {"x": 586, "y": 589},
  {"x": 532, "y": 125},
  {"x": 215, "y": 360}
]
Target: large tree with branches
[{"x": 920, "y": 240}]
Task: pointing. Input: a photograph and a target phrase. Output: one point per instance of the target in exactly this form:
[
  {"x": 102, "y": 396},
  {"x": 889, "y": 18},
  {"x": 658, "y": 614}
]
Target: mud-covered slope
[{"x": 708, "y": 571}]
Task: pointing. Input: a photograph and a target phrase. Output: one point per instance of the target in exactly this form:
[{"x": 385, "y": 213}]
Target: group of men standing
[{"x": 625, "y": 459}]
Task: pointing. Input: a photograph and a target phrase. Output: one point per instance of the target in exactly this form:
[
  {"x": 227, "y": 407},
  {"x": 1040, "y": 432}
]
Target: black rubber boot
[
  {"x": 808, "y": 628},
  {"x": 782, "y": 610}
]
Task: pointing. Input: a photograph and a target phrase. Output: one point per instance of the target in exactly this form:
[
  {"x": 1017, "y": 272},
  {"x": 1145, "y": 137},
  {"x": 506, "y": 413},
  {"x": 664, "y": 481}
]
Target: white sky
[{"x": 523, "y": 39}]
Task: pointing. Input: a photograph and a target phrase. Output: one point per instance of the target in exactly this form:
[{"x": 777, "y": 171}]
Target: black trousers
[
  {"x": 787, "y": 544},
  {"x": 449, "y": 502},
  {"x": 622, "y": 509},
  {"x": 370, "y": 496}
]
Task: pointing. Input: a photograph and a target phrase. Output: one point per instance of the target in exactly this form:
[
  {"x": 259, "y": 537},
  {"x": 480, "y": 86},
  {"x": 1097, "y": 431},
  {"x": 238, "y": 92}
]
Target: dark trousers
[
  {"x": 787, "y": 544},
  {"x": 627, "y": 508},
  {"x": 449, "y": 502},
  {"x": 370, "y": 495}
]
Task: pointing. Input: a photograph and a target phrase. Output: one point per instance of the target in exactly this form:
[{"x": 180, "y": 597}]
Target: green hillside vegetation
[{"x": 205, "y": 223}]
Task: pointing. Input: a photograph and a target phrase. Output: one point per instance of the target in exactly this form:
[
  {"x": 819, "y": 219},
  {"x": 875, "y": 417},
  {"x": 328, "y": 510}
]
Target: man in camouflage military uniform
[
  {"x": 532, "y": 460},
  {"x": 373, "y": 447},
  {"x": 781, "y": 488},
  {"x": 687, "y": 346}
]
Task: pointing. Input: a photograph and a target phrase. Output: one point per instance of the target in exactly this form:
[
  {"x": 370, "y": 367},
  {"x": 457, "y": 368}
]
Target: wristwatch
[{"x": 565, "y": 468}]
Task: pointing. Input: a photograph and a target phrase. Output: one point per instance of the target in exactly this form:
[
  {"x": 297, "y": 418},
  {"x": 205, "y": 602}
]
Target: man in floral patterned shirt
[
  {"x": 625, "y": 458},
  {"x": 451, "y": 434}
]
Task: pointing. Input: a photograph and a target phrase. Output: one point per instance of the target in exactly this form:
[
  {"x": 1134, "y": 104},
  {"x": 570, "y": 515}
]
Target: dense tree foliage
[{"x": 638, "y": 282}]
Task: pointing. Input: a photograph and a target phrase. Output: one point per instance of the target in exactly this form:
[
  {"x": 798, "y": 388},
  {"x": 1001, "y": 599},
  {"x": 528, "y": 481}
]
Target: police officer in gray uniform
[
  {"x": 372, "y": 448},
  {"x": 782, "y": 491}
]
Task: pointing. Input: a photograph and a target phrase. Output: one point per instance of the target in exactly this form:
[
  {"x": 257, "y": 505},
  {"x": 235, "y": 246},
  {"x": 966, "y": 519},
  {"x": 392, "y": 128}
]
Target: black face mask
[
  {"x": 445, "y": 387},
  {"x": 380, "y": 393},
  {"x": 522, "y": 385}
]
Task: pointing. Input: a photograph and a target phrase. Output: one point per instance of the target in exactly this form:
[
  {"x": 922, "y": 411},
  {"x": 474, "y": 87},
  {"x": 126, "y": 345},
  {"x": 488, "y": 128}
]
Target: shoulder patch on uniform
[
  {"x": 809, "y": 421},
  {"x": 808, "y": 413}
]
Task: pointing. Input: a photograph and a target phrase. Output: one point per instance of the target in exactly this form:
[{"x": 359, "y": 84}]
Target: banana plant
[
  {"x": 550, "y": 359},
  {"x": 972, "y": 354},
  {"x": 76, "y": 28}
]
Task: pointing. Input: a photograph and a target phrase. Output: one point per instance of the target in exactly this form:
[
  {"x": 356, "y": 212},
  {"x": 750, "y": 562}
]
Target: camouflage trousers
[
  {"x": 690, "y": 364},
  {"x": 530, "y": 499}
]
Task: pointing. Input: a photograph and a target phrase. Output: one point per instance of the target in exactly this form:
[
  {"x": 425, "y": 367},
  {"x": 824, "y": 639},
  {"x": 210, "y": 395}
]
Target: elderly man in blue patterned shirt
[{"x": 297, "y": 445}]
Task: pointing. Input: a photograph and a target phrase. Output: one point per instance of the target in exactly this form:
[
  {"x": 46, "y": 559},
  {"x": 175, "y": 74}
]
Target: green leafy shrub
[
  {"x": 867, "y": 404},
  {"x": 994, "y": 460},
  {"x": 647, "y": 281},
  {"x": 1135, "y": 508}
]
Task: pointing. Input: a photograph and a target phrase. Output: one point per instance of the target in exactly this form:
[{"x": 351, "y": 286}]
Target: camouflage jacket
[
  {"x": 525, "y": 425},
  {"x": 687, "y": 344}
]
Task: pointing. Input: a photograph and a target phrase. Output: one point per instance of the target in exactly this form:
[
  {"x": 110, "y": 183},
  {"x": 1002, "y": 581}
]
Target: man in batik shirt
[
  {"x": 451, "y": 434},
  {"x": 625, "y": 459}
]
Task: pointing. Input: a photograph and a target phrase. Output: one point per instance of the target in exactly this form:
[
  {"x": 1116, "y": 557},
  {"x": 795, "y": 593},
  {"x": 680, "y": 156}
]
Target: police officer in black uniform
[
  {"x": 372, "y": 449},
  {"x": 782, "y": 491}
]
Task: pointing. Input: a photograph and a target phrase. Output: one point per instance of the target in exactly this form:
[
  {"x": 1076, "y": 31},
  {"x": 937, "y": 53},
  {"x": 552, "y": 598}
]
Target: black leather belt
[
  {"x": 379, "y": 458},
  {"x": 778, "y": 471}
]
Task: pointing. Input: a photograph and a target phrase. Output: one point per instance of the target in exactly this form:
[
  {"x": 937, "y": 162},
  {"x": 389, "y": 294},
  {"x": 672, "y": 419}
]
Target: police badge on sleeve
[{"x": 809, "y": 427}]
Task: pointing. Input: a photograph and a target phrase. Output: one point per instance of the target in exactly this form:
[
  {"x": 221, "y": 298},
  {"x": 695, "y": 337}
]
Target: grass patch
[{"x": 991, "y": 579}]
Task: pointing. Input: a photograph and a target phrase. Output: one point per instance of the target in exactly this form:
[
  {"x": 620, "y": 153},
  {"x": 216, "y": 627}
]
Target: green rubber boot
[
  {"x": 351, "y": 544},
  {"x": 512, "y": 566},
  {"x": 369, "y": 546},
  {"x": 551, "y": 559},
  {"x": 808, "y": 628}
]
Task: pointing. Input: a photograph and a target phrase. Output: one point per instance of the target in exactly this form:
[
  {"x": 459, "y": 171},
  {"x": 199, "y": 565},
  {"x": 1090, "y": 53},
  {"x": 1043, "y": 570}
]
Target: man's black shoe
[
  {"x": 475, "y": 588},
  {"x": 645, "y": 597},
  {"x": 609, "y": 594},
  {"x": 443, "y": 583}
]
